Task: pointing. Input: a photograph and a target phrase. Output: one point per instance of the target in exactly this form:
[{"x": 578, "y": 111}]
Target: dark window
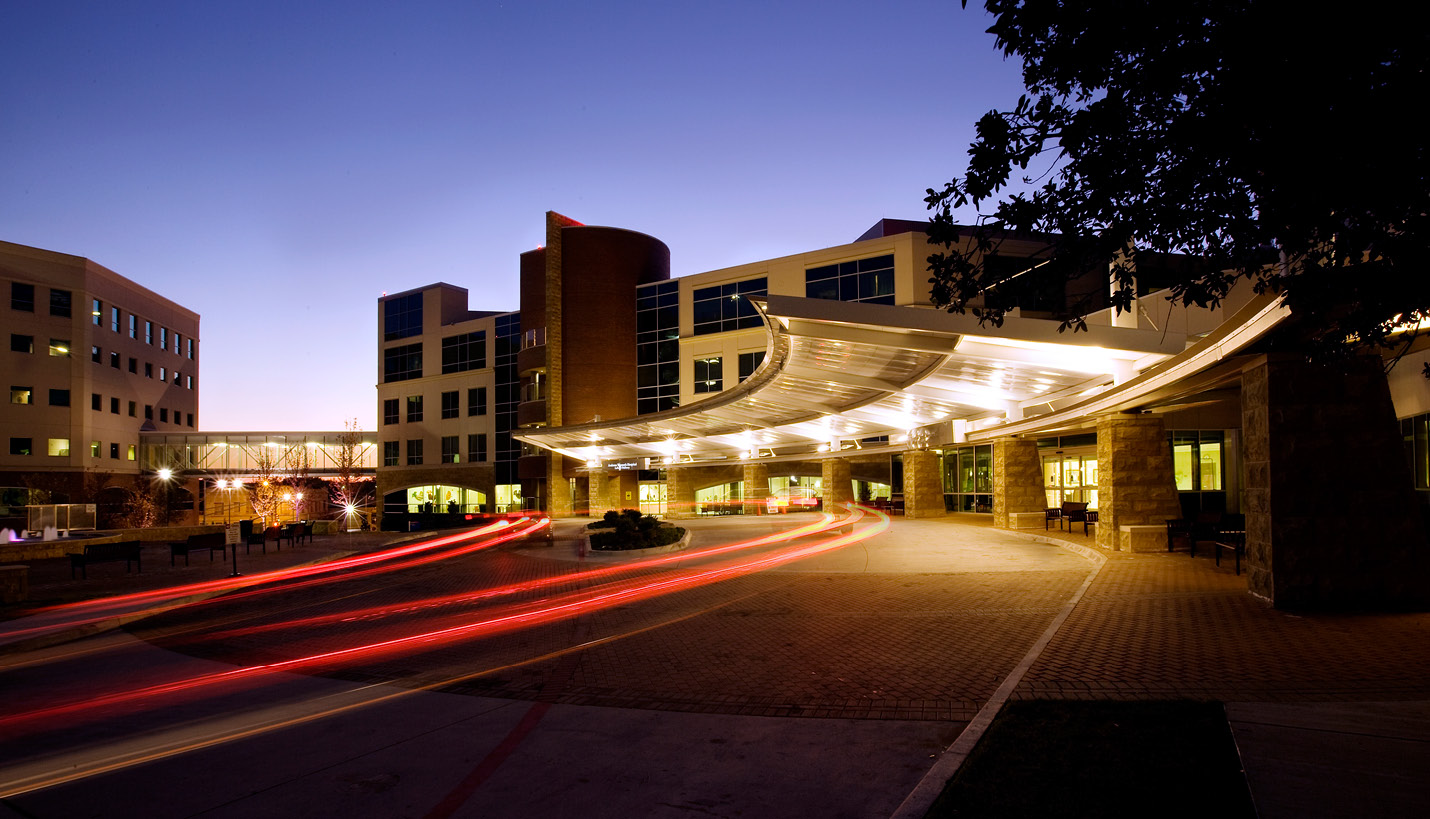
[
  {"x": 749, "y": 362},
  {"x": 59, "y": 398},
  {"x": 149, "y": 411},
  {"x": 450, "y": 453},
  {"x": 61, "y": 303},
  {"x": 97, "y": 314},
  {"x": 725, "y": 307},
  {"x": 114, "y": 360},
  {"x": 189, "y": 420},
  {"x": 465, "y": 352},
  {"x": 114, "y": 451},
  {"x": 132, "y": 408},
  {"x": 391, "y": 411},
  {"x": 21, "y": 446},
  {"x": 477, "y": 448},
  {"x": 148, "y": 369},
  {"x": 402, "y": 317},
  {"x": 114, "y": 405},
  {"x": 477, "y": 401},
  {"x": 414, "y": 408},
  {"x": 96, "y": 402},
  {"x": 95, "y": 354},
  {"x": 657, "y": 346},
  {"x": 163, "y": 415},
  {"x": 414, "y": 453},
  {"x": 134, "y": 365},
  {"x": 402, "y": 363},
  {"x": 709, "y": 375},
  {"x": 391, "y": 452},
  {"x": 22, "y": 297},
  {"x": 868, "y": 280},
  {"x": 21, "y": 344},
  {"x": 451, "y": 406},
  {"x": 177, "y": 378}
]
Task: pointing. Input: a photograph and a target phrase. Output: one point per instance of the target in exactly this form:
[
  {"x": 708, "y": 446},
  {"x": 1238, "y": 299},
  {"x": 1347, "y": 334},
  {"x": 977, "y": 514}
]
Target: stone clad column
[
  {"x": 838, "y": 486},
  {"x": 923, "y": 485},
  {"x": 1017, "y": 484},
  {"x": 1331, "y": 516},
  {"x": 679, "y": 493},
  {"x": 599, "y": 492},
  {"x": 757, "y": 487},
  {"x": 1135, "y": 482},
  {"x": 558, "y": 489}
]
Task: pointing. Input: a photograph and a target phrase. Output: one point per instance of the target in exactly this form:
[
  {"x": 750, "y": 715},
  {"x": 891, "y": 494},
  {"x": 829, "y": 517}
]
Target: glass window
[
  {"x": 402, "y": 317},
  {"x": 451, "y": 405},
  {"x": 477, "y": 448},
  {"x": 60, "y": 347},
  {"x": 709, "y": 375},
  {"x": 114, "y": 405},
  {"x": 114, "y": 319},
  {"x": 114, "y": 451},
  {"x": 149, "y": 412},
  {"x": 749, "y": 362},
  {"x": 188, "y": 382},
  {"x": 477, "y": 401},
  {"x": 189, "y": 348},
  {"x": 414, "y": 408},
  {"x": 189, "y": 420},
  {"x": 1184, "y": 460},
  {"x": 163, "y": 415},
  {"x": 414, "y": 452},
  {"x": 402, "y": 363},
  {"x": 95, "y": 354},
  {"x": 96, "y": 402},
  {"x": 96, "y": 449},
  {"x": 59, "y": 398},
  {"x": 20, "y": 446},
  {"x": 391, "y": 453},
  {"x": 658, "y": 345},
  {"x": 726, "y": 307},
  {"x": 134, "y": 366},
  {"x": 22, "y": 297},
  {"x": 148, "y": 332},
  {"x": 450, "y": 453},
  {"x": 21, "y": 395},
  {"x": 868, "y": 280},
  {"x": 464, "y": 352},
  {"x": 391, "y": 411},
  {"x": 133, "y": 326},
  {"x": 133, "y": 405},
  {"x": 114, "y": 360},
  {"x": 59, "y": 447},
  {"x": 61, "y": 302},
  {"x": 97, "y": 314},
  {"x": 163, "y": 374},
  {"x": 133, "y": 451},
  {"x": 21, "y": 344},
  {"x": 163, "y": 338}
]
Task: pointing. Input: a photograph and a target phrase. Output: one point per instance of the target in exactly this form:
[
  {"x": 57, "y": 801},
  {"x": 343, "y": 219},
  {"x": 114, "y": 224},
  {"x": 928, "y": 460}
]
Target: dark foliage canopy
[{"x": 1273, "y": 141}]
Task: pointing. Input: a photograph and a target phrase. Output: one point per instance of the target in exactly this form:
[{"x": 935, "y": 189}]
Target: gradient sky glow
[{"x": 277, "y": 166}]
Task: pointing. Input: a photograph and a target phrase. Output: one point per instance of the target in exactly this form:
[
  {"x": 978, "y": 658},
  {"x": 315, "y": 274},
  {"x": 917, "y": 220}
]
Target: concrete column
[
  {"x": 679, "y": 493},
  {"x": 1135, "y": 484},
  {"x": 1017, "y": 483},
  {"x": 1331, "y": 517},
  {"x": 757, "y": 487},
  {"x": 838, "y": 486},
  {"x": 923, "y": 485}
]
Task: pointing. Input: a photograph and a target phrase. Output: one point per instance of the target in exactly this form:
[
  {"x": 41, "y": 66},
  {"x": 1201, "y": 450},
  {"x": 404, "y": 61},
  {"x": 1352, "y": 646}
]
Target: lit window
[
  {"x": 60, "y": 347},
  {"x": 96, "y": 449},
  {"x": 97, "y": 314},
  {"x": 132, "y": 452},
  {"x": 21, "y": 395},
  {"x": 709, "y": 375},
  {"x": 59, "y": 447}
]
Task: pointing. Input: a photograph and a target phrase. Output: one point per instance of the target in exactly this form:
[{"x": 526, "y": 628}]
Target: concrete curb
[{"x": 587, "y": 552}]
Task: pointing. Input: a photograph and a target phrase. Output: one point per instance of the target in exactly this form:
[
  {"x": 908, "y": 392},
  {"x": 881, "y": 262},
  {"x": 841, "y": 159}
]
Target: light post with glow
[
  {"x": 227, "y": 486},
  {"x": 165, "y": 474}
]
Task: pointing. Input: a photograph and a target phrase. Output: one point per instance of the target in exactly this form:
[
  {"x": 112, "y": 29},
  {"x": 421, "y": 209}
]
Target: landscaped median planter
[{"x": 631, "y": 532}]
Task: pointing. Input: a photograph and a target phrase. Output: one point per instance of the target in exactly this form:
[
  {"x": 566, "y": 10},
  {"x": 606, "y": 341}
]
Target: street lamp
[
  {"x": 227, "y": 486},
  {"x": 165, "y": 474}
]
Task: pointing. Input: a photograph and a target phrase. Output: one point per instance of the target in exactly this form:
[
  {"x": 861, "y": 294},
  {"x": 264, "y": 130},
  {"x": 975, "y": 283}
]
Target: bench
[
  {"x": 1070, "y": 511},
  {"x": 260, "y": 538},
  {"x": 211, "y": 541},
  {"x": 305, "y": 531},
  {"x": 1089, "y": 518},
  {"x": 289, "y": 532},
  {"x": 125, "y": 550}
]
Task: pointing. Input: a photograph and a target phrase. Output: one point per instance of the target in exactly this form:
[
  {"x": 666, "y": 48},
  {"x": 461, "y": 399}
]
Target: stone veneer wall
[
  {"x": 679, "y": 493},
  {"x": 1135, "y": 481},
  {"x": 838, "y": 485},
  {"x": 1331, "y": 515},
  {"x": 923, "y": 485},
  {"x": 757, "y": 486},
  {"x": 1017, "y": 479}
]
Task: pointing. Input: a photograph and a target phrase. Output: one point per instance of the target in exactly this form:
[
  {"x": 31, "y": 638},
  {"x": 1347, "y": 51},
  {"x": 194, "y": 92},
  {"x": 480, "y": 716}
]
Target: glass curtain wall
[
  {"x": 968, "y": 478},
  {"x": 1199, "y": 465}
]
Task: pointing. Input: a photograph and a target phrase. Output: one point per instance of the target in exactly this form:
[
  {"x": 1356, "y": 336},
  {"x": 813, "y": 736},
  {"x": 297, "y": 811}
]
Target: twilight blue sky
[{"x": 277, "y": 166}]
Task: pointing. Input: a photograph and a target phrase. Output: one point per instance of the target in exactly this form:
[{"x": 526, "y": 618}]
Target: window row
[
  {"x": 60, "y": 448},
  {"x": 60, "y": 348},
  {"x": 727, "y": 307},
  {"x": 22, "y": 298},
  {"x": 451, "y": 450},
  {"x": 392, "y": 408},
  {"x": 867, "y": 280}
]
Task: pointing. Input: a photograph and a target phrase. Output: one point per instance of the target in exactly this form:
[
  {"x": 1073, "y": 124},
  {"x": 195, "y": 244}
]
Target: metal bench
[
  {"x": 125, "y": 550},
  {"x": 211, "y": 541}
]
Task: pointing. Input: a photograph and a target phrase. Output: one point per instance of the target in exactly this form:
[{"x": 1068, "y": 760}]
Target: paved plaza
[{"x": 833, "y": 685}]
